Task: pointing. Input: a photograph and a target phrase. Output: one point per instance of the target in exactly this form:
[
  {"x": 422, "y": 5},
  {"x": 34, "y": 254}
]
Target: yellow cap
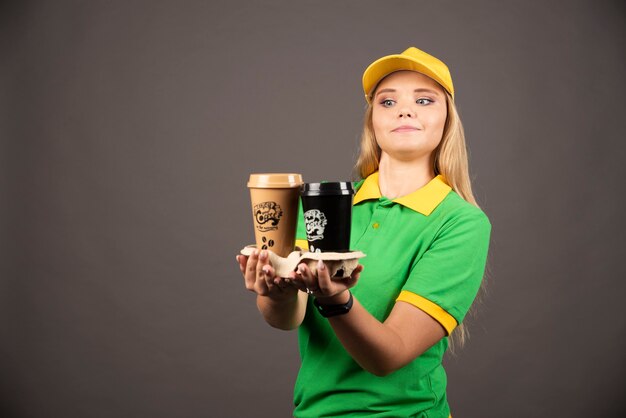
[{"x": 412, "y": 59}]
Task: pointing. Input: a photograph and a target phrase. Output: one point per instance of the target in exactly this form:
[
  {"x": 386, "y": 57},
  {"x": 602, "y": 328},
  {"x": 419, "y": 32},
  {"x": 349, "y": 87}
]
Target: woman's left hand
[{"x": 321, "y": 284}]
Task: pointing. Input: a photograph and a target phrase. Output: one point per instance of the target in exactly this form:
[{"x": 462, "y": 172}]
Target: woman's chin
[{"x": 408, "y": 154}]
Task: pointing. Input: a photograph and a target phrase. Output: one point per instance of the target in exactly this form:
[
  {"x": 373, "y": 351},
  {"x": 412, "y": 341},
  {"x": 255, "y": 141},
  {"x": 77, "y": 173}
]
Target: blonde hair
[{"x": 451, "y": 162}]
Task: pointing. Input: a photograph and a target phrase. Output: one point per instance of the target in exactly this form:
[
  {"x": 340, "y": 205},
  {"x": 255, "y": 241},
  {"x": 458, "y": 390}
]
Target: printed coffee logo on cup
[
  {"x": 315, "y": 222},
  {"x": 267, "y": 215}
]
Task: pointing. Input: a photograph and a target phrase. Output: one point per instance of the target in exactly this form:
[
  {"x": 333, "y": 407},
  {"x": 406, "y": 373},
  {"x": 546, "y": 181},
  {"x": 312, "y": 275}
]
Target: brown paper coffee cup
[{"x": 274, "y": 198}]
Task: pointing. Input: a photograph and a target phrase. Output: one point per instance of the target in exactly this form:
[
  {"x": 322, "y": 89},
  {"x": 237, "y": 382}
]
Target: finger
[
  {"x": 290, "y": 276},
  {"x": 242, "y": 260},
  {"x": 250, "y": 272},
  {"x": 256, "y": 274},
  {"x": 262, "y": 262},
  {"x": 265, "y": 271},
  {"x": 281, "y": 283},
  {"x": 269, "y": 271},
  {"x": 309, "y": 279},
  {"x": 298, "y": 282},
  {"x": 252, "y": 261},
  {"x": 277, "y": 280},
  {"x": 323, "y": 278},
  {"x": 268, "y": 276},
  {"x": 289, "y": 281},
  {"x": 305, "y": 274},
  {"x": 260, "y": 287}
]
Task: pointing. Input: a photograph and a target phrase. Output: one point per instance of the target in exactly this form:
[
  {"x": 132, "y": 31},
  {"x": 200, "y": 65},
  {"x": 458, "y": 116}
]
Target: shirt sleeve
[{"x": 444, "y": 281}]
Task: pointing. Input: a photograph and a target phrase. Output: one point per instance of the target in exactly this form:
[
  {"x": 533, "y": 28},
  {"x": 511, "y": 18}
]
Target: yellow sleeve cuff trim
[
  {"x": 302, "y": 243},
  {"x": 444, "y": 318}
]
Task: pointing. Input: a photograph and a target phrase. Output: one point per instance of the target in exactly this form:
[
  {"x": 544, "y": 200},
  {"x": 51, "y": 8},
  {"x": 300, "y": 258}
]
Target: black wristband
[{"x": 333, "y": 310}]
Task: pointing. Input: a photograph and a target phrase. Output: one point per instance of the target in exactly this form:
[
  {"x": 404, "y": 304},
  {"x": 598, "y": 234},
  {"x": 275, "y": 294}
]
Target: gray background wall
[{"x": 128, "y": 132}]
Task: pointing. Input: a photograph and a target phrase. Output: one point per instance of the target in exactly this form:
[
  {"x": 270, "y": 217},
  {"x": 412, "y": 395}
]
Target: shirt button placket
[{"x": 381, "y": 211}]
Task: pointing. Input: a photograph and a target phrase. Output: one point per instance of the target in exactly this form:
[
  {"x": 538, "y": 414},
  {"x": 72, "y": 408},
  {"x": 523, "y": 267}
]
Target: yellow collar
[{"x": 424, "y": 200}]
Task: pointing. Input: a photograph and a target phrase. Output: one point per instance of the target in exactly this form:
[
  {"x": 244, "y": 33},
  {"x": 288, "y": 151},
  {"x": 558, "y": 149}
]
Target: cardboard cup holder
[{"x": 340, "y": 265}]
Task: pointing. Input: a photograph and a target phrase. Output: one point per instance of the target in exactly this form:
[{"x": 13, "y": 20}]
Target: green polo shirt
[{"x": 428, "y": 249}]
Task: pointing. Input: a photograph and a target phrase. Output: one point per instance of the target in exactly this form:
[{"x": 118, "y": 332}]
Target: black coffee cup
[{"x": 327, "y": 215}]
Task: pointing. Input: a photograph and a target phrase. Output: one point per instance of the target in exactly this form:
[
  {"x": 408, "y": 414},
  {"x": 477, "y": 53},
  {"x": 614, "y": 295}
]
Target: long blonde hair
[{"x": 451, "y": 162}]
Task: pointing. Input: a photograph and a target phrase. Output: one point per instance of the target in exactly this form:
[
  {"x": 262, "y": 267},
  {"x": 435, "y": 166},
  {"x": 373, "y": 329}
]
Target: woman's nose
[{"x": 406, "y": 112}]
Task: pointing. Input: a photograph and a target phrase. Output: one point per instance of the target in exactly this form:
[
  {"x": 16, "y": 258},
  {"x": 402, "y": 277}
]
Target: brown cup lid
[{"x": 275, "y": 180}]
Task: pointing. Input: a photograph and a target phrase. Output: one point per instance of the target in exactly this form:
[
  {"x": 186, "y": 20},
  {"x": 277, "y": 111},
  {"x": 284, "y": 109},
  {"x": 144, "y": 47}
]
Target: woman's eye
[
  {"x": 423, "y": 101},
  {"x": 387, "y": 102}
]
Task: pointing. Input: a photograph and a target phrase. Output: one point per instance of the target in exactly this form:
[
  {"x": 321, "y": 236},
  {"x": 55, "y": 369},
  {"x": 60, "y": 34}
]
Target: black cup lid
[{"x": 331, "y": 188}]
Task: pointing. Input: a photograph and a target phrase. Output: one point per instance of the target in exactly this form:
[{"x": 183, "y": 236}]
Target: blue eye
[
  {"x": 387, "y": 102},
  {"x": 423, "y": 101}
]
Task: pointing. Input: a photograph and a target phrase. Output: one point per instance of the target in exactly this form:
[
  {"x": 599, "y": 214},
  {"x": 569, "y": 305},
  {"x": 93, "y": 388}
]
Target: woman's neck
[{"x": 399, "y": 178}]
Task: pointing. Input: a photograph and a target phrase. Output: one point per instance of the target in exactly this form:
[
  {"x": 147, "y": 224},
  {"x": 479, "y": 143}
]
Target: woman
[{"x": 372, "y": 345}]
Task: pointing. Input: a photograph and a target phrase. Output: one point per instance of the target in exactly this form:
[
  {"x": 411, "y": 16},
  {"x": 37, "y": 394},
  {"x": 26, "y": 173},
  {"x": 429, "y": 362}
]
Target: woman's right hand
[{"x": 260, "y": 277}]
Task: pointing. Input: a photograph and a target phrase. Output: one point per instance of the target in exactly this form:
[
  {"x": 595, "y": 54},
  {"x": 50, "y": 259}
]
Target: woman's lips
[{"x": 405, "y": 128}]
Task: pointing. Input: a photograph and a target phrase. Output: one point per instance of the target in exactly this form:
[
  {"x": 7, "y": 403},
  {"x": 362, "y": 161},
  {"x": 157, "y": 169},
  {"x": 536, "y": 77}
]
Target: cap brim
[{"x": 384, "y": 66}]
